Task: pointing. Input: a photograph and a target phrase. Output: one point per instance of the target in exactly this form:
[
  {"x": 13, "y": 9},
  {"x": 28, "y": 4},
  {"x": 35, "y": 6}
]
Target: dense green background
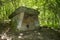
[{"x": 49, "y": 10}]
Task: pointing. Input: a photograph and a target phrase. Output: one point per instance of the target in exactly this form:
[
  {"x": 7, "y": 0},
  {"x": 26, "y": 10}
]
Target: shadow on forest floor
[{"x": 37, "y": 34}]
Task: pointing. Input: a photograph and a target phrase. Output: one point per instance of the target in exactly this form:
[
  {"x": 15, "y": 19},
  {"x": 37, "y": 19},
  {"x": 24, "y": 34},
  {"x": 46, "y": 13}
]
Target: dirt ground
[{"x": 37, "y": 34}]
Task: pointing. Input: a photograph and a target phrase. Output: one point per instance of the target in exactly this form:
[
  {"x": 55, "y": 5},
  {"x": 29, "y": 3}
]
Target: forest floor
[
  {"x": 42, "y": 33},
  {"x": 37, "y": 34}
]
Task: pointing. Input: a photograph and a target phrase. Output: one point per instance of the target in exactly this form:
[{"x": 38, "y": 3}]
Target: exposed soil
[{"x": 39, "y": 34}]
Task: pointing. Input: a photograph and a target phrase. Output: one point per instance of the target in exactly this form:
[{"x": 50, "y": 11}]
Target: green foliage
[{"x": 49, "y": 10}]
